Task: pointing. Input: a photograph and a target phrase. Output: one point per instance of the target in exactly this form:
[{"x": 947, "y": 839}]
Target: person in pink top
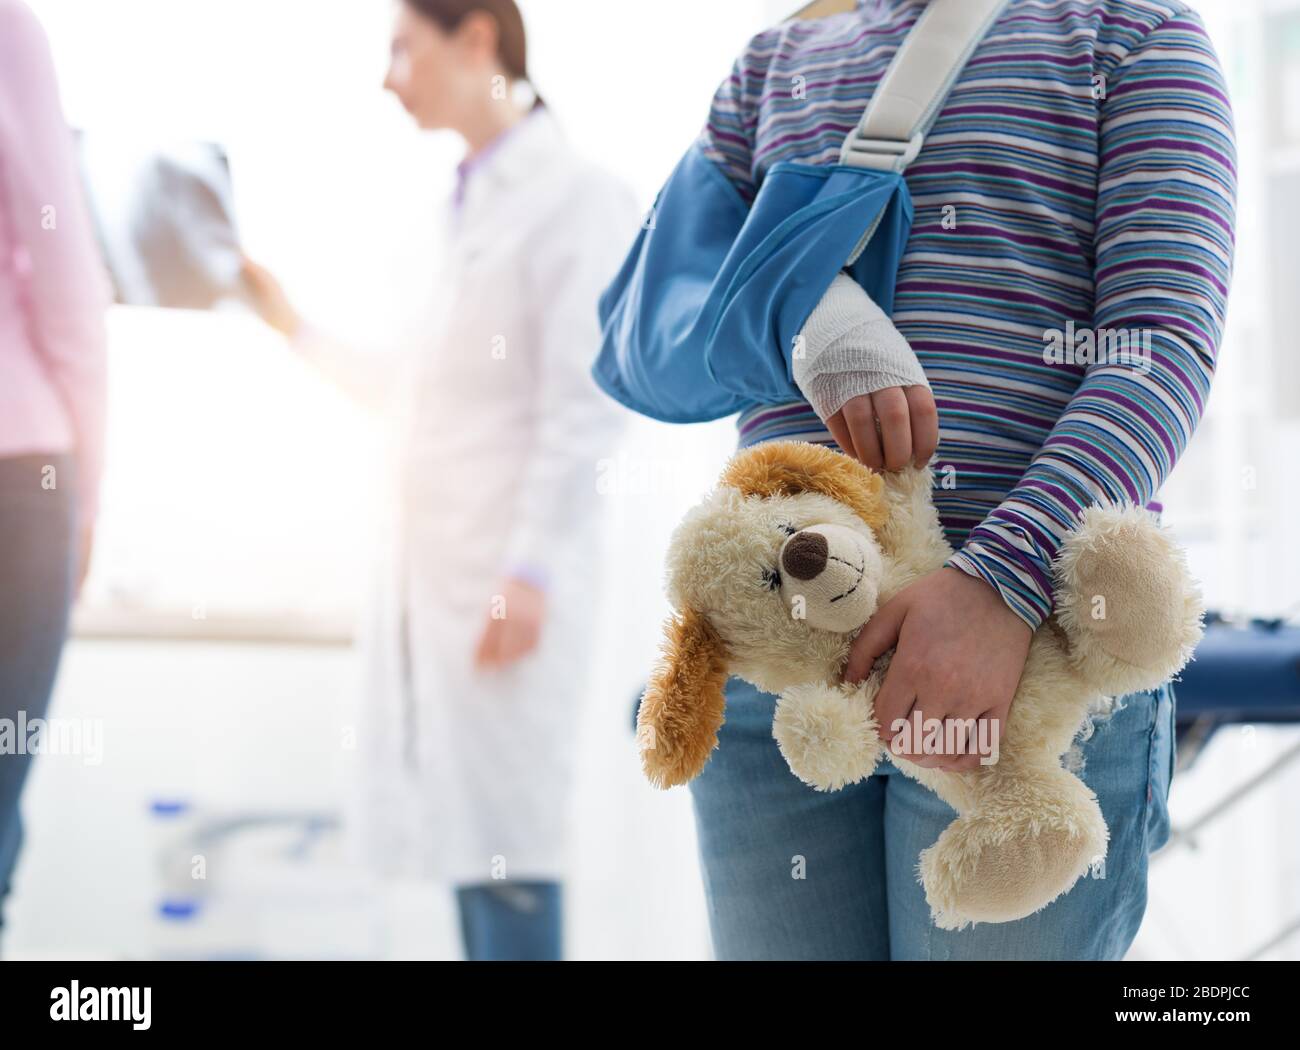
[{"x": 53, "y": 295}]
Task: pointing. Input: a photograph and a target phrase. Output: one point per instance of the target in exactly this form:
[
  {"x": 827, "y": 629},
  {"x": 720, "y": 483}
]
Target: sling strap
[{"x": 892, "y": 128}]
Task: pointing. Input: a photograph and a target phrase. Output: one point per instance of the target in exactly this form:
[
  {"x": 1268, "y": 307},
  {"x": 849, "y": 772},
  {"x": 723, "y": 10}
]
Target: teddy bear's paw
[
  {"x": 1126, "y": 600},
  {"x": 978, "y": 871},
  {"x": 827, "y": 734}
]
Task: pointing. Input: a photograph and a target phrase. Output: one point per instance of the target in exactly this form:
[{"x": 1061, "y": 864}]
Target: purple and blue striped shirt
[{"x": 1066, "y": 278}]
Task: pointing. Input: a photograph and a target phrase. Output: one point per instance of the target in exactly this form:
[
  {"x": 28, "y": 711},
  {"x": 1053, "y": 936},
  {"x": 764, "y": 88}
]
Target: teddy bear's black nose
[{"x": 805, "y": 555}]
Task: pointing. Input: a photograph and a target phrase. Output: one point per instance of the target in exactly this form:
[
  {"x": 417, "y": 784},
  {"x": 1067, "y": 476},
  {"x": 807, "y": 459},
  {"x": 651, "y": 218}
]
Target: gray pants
[{"x": 37, "y": 562}]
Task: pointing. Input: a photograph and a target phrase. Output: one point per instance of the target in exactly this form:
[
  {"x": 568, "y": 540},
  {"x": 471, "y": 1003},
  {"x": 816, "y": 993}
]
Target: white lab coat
[{"x": 465, "y": 775}]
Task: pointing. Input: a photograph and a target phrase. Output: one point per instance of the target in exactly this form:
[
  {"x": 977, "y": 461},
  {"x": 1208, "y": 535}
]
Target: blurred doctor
[{"x": 478, "y": 649}]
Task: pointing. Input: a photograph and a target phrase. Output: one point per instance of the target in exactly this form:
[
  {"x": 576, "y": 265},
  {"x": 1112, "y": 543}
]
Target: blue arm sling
[
  {"x": 701, "y": 320},
  {"x": 702, "y": 317}
]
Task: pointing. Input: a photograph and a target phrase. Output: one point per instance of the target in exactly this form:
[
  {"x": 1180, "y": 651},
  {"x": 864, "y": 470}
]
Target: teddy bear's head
[{"x": 769, "y": 577}]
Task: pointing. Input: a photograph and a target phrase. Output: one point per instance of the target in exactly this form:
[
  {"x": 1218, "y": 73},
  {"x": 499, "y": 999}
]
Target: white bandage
[{"x": 849, "y": 348}]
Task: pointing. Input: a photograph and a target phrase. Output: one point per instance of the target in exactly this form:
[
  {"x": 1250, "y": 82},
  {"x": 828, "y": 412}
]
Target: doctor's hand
[
  {"x": 268, "y": 298},
  {"x": 959, "y": 652},
  {"x": 888, "y": 429},
  {"x": 513, "y": 626}
]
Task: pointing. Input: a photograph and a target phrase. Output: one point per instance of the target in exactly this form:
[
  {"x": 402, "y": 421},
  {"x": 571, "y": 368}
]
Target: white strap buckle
[{"x": 886, "y": 154}]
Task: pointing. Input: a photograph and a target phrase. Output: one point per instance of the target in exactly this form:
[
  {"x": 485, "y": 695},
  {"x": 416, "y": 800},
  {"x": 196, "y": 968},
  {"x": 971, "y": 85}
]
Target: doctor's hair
[{"x": 512, "y": 40}]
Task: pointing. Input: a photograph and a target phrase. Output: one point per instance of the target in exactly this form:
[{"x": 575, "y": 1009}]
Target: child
[{"x": 1080, "y": 176}]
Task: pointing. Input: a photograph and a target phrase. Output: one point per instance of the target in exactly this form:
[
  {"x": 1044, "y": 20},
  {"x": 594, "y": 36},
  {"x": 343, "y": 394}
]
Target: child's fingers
[
  {"x": 925, "y": 423},
  {"x": 877, "y": 637},
  {"x": 861, "y": 422},
  {"x": 840, "y": 432},
  {"x": 891, "y": 410}
]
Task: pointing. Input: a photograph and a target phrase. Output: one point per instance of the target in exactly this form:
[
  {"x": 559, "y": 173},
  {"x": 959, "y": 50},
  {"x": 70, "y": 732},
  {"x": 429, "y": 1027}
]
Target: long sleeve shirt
[
  {"x": 53, "y": 290},
  {"x": 1065, "y": 281}
]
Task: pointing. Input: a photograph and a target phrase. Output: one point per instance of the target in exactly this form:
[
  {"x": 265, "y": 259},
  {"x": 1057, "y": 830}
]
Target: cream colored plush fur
[{"x": 1127, "y": 617}]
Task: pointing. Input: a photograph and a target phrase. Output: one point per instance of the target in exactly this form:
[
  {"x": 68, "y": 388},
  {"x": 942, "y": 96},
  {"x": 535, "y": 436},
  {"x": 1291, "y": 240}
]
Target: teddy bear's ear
[
  {"x": 682, "y": 709},
  {"x": 791, "y": 467}
]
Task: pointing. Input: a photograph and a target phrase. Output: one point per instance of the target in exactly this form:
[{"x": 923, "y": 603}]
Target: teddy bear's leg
[
  {"x": 1128, "y": 605},
  {"x": 828, "y": 733},
  {"x": 1029, "y": 835}
]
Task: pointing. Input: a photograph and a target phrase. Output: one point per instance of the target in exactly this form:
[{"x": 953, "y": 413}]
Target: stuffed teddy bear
[{"x": 774, "y": 573}]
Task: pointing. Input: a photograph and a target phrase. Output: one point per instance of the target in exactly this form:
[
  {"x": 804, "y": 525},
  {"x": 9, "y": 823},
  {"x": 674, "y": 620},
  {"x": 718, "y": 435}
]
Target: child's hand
[
  {"x": 889, "y": 428},
  {"x": 864, "y": 381},
  {"x": 959, "y": 652}
]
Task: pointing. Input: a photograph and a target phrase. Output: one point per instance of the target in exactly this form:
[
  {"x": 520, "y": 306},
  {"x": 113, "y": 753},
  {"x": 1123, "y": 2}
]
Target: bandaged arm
[{"x": 848, "y": 348}]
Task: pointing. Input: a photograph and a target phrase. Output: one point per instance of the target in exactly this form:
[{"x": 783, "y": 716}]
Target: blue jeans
[
  {"x": 511, "y": 921},
  {"x": 856, "y": 895},
  {"x": 37, "y": 554}
]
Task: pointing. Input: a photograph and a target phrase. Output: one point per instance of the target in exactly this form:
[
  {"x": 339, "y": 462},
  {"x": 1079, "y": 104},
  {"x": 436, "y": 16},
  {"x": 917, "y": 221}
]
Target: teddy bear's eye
[
  {"x": 787, "y": 528},
  {"x": 772, "y": 578}
]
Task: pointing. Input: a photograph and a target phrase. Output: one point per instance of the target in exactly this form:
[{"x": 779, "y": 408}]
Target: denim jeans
[
  {"x": 511, "y": 921},
  {"x": 858, "y": 895},
  {"x": 37, "y": 553}
]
